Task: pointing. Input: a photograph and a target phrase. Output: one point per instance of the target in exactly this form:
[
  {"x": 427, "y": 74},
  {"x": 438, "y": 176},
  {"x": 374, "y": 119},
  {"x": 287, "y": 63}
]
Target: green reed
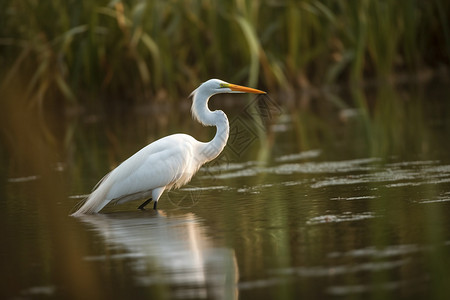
[{"x": 144, "y": 49}]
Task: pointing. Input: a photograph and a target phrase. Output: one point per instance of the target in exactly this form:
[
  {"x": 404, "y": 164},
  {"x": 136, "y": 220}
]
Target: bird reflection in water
[{"x": 173, "y": 251}]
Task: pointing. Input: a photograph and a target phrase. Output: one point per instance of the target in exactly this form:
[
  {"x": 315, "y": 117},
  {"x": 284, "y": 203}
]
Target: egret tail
[{"x": 95, "y": 201}]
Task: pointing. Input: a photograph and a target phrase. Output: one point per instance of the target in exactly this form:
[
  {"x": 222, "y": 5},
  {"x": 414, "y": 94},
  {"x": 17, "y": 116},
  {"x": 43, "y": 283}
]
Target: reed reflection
[{"x": 169, "y": 251}]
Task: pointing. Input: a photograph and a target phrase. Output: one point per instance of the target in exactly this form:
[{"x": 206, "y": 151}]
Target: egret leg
[
  {"x": 141, "y": 207},
  {"x": 156, "y": 193}
]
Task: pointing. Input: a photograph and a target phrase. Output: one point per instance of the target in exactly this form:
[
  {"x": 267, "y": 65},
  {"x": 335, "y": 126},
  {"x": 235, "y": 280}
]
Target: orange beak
[{"x": 244, "y": 89}]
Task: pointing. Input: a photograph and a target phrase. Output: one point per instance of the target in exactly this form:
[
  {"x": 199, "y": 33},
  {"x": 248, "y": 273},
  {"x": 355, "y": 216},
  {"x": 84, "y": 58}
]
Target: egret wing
[{"x": 153, "y": 167}]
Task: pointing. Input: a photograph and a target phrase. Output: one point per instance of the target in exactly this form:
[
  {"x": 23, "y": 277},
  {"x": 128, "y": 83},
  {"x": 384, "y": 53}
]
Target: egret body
[{"x": 169, "y": 162}]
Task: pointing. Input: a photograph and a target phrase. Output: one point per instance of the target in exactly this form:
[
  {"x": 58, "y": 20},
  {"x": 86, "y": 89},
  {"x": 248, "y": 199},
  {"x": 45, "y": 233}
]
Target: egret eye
[{"x": 223, "y": 85}]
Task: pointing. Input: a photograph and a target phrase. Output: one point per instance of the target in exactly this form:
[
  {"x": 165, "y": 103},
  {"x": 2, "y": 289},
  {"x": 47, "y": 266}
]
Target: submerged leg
[
  {"x": 155, "y": 204},
  {"x": 141, "y": 207}
]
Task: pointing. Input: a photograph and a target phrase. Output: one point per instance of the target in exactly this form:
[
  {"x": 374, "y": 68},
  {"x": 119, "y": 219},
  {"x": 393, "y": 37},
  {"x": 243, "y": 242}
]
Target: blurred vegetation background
[
  {"x": 76, "y": 51},
  {"x": 56, "y": 55}
]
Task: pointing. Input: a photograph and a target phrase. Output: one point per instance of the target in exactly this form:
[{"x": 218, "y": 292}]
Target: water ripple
[
  {"x": 299, "y": 156},
  {"x": 323, "y": 271},
  {"x": 345, "y": 217}
]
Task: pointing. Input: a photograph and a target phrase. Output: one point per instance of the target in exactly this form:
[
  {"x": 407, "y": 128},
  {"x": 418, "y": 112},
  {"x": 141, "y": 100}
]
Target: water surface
[{"x": 343, "y": 198}]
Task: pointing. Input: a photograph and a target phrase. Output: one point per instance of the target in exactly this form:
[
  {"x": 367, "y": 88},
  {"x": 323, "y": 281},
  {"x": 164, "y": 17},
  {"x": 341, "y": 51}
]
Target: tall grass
[{"x": 143, "y": 49}]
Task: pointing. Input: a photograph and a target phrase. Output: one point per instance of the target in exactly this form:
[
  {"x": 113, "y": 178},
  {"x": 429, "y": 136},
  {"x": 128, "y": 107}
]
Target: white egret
[{"x": 169, "y": 162}]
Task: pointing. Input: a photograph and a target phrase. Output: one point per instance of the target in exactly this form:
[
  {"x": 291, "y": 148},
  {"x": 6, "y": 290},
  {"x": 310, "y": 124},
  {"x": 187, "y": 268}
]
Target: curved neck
[{"x": 217, "y": 118}]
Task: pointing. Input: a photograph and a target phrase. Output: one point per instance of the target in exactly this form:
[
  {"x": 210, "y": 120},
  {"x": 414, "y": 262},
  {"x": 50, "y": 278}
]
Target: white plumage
[{"x": 169, "y": 162}]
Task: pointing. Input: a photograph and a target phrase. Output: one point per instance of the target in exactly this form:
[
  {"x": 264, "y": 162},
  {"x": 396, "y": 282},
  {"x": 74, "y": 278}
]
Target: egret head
[
  {"x": 201, "y": 95},
  {"x": 217, "y": 86}
]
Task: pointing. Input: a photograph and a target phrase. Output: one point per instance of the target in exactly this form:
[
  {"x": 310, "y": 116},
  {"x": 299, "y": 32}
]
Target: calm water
[{"x": 331, "y": 197}]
